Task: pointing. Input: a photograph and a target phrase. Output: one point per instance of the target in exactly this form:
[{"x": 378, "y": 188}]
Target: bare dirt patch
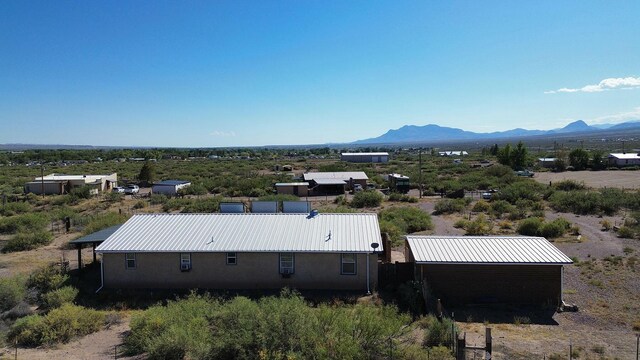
[{"x": 596, "y": 179}]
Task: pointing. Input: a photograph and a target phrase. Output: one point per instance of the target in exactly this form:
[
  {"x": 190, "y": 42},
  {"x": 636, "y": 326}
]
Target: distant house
[
  {"x": 169, "y": 187},
  {"x": 365, "y": 157},
  {"x": 546, "y": 163},
  {"x": 293, "y": 188},
  {"x": 332, "y": 183},
  {"x": 58, "y": 184},
  {"x": 243, "y": 251},
  {"x": 453, "y": 153},
  {"x": 466, "y": 270},
  {"x": 398, "y": 182},
  {"x": 624, "y": 159}
]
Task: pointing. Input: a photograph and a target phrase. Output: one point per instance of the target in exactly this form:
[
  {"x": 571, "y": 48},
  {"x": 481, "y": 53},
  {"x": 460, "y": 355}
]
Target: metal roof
[
  {"x": 245, "y": 233},
  {"x": 293, "y": 184},
  {"x": 330, "y": 181},
  {"x": 366, "y": 154},
  {"x": 627, "y": 156},
  {"x": 484, "y": 250},
  {"x": 171, "y": 183},
  {"x": 98, "y": 236},
  {"x": 340, "y": 175}
]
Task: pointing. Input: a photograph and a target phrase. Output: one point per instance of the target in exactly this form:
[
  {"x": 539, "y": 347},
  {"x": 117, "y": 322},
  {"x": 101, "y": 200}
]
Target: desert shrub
[
  {"x": 272, "y": 327},
  {"x": 140, "y": 204},
  {"x": 193, "y": 189},
  {"x": 340, "y": 200},
  {"x": 437, "y": 332},
  {"x": 626, "y": 232},
  {"x": 529, "y": 190},
  {"x": 58, "y": 297},
  {"x": 397, "y": 221},
  {"x": 23, "y": 223},
  {"x": 175, "y": 204},
  {"x": 81, "y": 192},
  {"x": 554, "y": 229},
  {"x": 14, "y": 208},
  {"x": 450, "y": 206},
  {"x": 478, "y": 226},
  {"x": 530, "y": 227},
  {"x": 27, "y": 241},
  {"x": 460, "y": 223},
  {"x": 402, "y": 198},
  {"x": 11, "y": 292},
  {"x": 102, "y": 221},
  {"x": 158, "y": 199},
  {"x": 47, "y": 278},
  {"x": 500, "y": 207},
  {"x": 367, "y": 198},
  {"x": 205, "y": 205},
  {"x": 410, "y": 297},
  {"x": 606, "y": 201},
  {"x": 114, "y": 197},
  {"x": 59, "y": 325},
  {"x": 569, "y": 185},
  {"x": 481, "y": 206},
  {"x": 393, "y": 230}
]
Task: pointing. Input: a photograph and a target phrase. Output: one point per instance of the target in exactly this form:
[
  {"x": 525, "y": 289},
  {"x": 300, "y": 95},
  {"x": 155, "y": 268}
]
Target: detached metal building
[
  {"x": 475, "y": 270},
  {"x": 169, "y": 187},
  {"x": 365, "y": 157},
  {"x": 294, "y": 188}
]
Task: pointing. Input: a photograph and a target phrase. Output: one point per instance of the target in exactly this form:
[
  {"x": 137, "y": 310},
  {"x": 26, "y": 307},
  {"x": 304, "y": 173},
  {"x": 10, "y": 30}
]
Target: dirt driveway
[{"x": 597, "y": 179}]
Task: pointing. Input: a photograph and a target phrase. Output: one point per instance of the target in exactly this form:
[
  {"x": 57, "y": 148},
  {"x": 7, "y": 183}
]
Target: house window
[
  {"x": 286, "y": 263},
  {"x": 185, "y": 262},
  {"x": 348, "y": 264},
  {"x": 130, "y": 260},
  {"x": 232, "y": 258}
]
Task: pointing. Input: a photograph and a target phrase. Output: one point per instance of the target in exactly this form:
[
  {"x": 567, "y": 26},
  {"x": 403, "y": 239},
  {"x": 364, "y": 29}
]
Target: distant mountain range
[{"x": 432, "y": 132}]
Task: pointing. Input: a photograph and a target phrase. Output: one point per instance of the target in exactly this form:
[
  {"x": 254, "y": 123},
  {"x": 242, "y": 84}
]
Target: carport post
[
  {"x": 93, "y": 245},
  {"x": 79, "y": 247}
]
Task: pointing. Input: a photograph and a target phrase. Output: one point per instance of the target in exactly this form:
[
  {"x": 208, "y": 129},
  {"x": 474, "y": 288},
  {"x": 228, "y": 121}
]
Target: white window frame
[
  {"x": 185, "y": 259},
  {"x": 349, "y": 258},
  {"x": 234, "y": 256},
  {"x": 130, "y": 257},
  {"x": 285, "y": 268}
]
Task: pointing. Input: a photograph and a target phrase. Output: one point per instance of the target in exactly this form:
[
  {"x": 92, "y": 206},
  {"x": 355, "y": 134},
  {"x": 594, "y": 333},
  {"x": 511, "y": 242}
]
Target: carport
[{"x": 94, "y": 239}]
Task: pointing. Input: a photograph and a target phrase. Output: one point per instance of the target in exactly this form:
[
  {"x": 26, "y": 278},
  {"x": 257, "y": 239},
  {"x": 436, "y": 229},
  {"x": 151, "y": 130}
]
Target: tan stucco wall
[{"x": 253, "y": 271}]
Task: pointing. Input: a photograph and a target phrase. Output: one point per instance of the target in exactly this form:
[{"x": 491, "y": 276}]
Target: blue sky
[{"x": 236, "y": 73}]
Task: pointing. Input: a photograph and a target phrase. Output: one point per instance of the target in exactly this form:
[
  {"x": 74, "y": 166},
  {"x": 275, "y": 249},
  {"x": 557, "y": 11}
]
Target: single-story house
[
  {"x": 58, "y": 184},
  {"x": 453, "y": 153},
  {"x": 293, "y": 188},
  {"x": 546, "y": 163},
  {"x": 624, "y": 159},
  {"x": 243, "y": 251},
  {"x": 488, "y": 269},
  {"x": 169, "y": 187},
  {"x": 332, "y": 183},
  {"x": 365, "y": 157}
]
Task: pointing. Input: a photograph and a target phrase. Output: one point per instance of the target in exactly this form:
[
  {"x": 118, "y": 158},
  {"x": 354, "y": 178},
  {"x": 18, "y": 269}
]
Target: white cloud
[
  {"x": 604, "y": 85},
  {"x": 618, "y": 118},
  {"x": 222, "y": 133}
]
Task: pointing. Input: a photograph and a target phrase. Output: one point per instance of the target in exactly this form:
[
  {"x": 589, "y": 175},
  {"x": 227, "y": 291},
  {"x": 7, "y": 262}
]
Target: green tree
[
  {"x": 519, "y": 157},
  {"x": 579, "y": 159},
  {"x": 147, "y": 173},
  {"x": 597, "y": 160},
  {"x": 504, "y": 155}
]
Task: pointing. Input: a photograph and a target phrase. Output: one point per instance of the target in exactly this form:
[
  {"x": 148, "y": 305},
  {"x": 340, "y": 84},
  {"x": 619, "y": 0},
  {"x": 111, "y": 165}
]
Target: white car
[
  {"x": 131, "y": 189},
  {"x": 118, "y": 189},
  {"x": 486, "y": 195}
]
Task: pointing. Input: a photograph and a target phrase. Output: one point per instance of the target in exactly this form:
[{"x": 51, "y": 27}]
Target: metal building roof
[
  {"x": 245, "y": 233},
  {"x": 484, "y": 250},
  {"x": 627, "y": 156},
  {"x": 293, "y": 184},
  {"x": 366, "y": 154},
  {"x": 171, "y": 183},
  {"x": 98, "y": 236},
  {"x": 340, "y": 175}
]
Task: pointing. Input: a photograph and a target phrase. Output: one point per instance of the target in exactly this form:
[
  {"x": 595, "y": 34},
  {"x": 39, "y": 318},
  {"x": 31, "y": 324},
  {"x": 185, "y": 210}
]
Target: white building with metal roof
[
  {"x": 624, "y": 159},
  {"x": 365, "y": 157},
  {"x": 243, "y": 251},
  {"x": 488, "y": 269}
]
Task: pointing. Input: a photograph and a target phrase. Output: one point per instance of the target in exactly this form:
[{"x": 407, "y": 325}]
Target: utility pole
[
  {"x": 420, "y": 171},
  {"x": 42, "y": 177}
]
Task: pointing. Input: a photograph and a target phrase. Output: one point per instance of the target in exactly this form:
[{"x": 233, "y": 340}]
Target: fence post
[
  {"x": 570, "y": 350},
  {"x": 460, "y": 347},
  {"x": 637, "y": 346},
  {"x": 488, "y": 343}
]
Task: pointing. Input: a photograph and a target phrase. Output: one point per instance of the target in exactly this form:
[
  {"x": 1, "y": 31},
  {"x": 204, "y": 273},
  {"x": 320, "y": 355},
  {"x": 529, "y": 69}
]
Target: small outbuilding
[
  {"x": 293, "y": 188},
  {"x": 243, "y": 251},
  {"x": 169, "y": 187},
  {"x": 546, "y": 163},
  {"x": 478, "y": 270},
  {"x": 365, "y": 157},
  {"x": 624, "y": 159},
  {"x": 334, "y": 183}
]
